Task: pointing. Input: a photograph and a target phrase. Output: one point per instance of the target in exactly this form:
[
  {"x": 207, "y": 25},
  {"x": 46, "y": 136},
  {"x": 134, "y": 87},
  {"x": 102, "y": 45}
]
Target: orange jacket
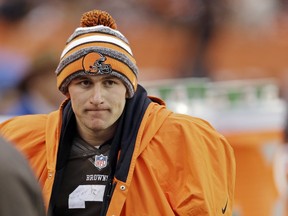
[{"x": 180, "y": 164}]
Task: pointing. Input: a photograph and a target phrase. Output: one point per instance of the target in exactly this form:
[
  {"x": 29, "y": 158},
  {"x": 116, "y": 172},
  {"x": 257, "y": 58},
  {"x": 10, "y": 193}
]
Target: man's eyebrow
[
  {"x": 110, "y": 77},
  {"x": 81, "y": 78}
]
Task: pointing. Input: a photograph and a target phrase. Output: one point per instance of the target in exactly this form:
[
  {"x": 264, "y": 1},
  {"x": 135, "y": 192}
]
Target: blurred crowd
[
  {"x": 170, "y": 39},
  {"x": 217, "y": 39}
]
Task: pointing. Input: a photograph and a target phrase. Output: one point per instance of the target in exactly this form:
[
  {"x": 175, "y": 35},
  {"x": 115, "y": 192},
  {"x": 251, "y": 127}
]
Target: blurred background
[{"x": 222, "y": 60}]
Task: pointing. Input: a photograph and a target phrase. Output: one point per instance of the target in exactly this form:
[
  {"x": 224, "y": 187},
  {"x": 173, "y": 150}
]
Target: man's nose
[{"x": 97, "y": 95}]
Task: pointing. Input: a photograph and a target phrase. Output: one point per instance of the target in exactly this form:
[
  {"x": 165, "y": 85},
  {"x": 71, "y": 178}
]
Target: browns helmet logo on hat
[{"x": 90, "y": 65}]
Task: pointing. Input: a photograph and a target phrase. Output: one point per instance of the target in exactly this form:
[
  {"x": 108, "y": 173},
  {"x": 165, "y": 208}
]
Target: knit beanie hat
[{"x": 96, "y": 48}]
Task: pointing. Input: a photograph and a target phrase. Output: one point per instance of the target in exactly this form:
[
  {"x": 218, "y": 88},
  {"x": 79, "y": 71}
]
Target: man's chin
[{"x": 97, "y": 125}]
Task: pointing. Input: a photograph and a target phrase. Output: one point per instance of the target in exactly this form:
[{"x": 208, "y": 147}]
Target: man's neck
[{"x": 97, "y": 138}]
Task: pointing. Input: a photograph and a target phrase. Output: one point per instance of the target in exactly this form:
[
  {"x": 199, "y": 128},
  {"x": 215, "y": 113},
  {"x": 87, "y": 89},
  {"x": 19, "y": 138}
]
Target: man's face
[{"x": 97, "y": 101}]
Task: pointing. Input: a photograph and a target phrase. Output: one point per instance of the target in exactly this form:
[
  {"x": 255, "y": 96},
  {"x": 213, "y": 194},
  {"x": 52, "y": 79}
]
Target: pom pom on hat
[
  {"x": 97, "y": 17},
  {"x": 97, "y": 48}
]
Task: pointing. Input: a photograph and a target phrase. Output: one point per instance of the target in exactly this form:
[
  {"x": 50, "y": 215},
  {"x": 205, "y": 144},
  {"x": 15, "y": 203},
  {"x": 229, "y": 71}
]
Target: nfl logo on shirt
[{"x": 100, "y": 161}]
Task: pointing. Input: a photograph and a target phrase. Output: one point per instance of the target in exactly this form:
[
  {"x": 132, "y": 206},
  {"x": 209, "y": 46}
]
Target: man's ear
[{"x": 67, "y": 94}]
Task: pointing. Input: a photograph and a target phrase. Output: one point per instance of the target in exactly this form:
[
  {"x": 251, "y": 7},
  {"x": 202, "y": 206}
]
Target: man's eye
[
  {"x": 109, "y": 82},
  {"x": 85, "y": 83}
]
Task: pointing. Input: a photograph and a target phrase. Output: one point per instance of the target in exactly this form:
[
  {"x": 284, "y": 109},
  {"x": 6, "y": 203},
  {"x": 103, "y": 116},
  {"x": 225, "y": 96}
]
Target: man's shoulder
[
  {"x": 23, "y": 125},
  {"x": 195, "y": 131},
  {"x": 29, "y": 130},
  {"x": 184, "y": 120},
  {"x": 167, "y": 119},
  {"x": 31, "y": 120},
  {"x": 182, "y": 125}
]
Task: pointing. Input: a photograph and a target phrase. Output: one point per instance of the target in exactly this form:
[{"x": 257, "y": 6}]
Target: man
[
  {"x": 110, "y": 149},
  {"x": 20, "y": 193}
]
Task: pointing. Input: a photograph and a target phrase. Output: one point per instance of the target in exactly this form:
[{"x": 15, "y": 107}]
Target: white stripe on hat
[
  {"x": 98, "y": 27},
  {"x": 96, "y": 38}
]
